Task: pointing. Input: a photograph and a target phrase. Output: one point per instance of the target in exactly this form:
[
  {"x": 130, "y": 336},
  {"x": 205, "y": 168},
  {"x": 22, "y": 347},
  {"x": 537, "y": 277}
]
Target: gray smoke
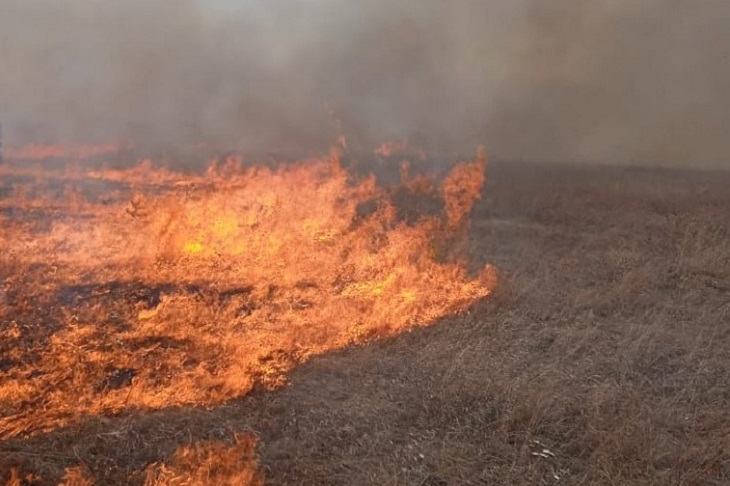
[{"x": 619, "y": 81}]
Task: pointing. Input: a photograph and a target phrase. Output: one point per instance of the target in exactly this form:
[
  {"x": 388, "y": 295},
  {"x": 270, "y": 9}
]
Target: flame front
[
  {"x": 178, "y": 289},
  {"x": 50, "y": 151}
]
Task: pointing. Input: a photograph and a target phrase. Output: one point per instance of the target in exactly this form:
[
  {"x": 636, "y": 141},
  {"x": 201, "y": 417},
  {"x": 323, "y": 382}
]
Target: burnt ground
[{"x": 602, "y": 358}]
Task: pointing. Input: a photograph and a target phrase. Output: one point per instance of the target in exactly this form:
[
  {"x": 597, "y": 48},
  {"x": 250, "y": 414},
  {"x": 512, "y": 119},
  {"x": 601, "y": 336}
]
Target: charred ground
[{"x": 601, "y": 358}]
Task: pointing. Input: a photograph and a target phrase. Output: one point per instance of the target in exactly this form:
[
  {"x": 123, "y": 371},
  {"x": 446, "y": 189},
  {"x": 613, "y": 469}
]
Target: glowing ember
[{"x": 191, "y": 289}]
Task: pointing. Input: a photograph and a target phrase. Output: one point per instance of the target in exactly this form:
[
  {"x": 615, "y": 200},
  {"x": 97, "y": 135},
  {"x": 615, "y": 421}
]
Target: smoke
[
  {"x": 618, "y": 81},
  {"x": 621, "y": 81}
]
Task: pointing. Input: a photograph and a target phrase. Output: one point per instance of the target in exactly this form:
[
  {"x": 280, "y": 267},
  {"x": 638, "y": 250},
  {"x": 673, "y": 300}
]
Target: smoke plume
[{"x": 618, "y": 81}]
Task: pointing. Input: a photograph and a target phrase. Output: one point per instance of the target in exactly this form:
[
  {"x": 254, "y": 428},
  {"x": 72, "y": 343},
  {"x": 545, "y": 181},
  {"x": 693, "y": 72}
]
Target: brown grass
[{"x": 601, "y": 358}]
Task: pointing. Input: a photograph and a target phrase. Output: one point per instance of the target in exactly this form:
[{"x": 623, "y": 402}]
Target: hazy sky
[{"x": 623, "y": 81}]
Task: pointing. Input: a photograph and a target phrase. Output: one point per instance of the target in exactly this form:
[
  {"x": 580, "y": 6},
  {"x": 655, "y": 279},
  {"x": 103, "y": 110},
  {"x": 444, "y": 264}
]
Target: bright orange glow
[
  {"x": 209, "y": 463},
  {"x": 179, "y": 289}
]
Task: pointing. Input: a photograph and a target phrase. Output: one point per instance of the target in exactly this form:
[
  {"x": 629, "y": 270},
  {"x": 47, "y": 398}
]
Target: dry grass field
[{"x": 142, "y": 344}]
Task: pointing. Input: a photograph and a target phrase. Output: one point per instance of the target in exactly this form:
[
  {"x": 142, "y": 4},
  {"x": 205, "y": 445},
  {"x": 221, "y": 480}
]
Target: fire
[
  {"x": 190, "y": 289},
  {"x": 50, "y": 151},
  {"x": 209, "y": 463}
]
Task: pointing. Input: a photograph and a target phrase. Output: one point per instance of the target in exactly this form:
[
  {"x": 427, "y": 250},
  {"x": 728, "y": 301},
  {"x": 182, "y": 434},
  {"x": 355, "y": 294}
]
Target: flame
[
  {"x": 209, "y": 463},
  {"x": 193, "y": 247},
  {"x": 190, "y": 289},
  {"x": 50, "y": 151}
]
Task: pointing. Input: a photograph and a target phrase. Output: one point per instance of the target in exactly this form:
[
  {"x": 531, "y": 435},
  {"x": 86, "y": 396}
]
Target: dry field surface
[{"x": 293, "y": 326}]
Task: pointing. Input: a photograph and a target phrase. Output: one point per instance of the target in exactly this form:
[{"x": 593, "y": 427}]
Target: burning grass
[
  {"x": 209, "y": 463},
  {"x": 177, "y": 289},
  {"x": 39, "y": 152},
  {"x": 600, "y": 358}
]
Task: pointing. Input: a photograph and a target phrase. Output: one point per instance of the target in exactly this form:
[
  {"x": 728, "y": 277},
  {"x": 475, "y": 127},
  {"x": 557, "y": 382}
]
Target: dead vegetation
[
  {"x": 209, "y": 463},
  {"x": 190, "y": 289},
  {"x": 601, "y": 358}
]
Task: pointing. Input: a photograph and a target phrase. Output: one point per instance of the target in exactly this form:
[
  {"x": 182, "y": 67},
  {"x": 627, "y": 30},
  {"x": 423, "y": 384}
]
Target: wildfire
[
  {"x": 190, "y": 289},
  {"x": 74, "y": 152}
]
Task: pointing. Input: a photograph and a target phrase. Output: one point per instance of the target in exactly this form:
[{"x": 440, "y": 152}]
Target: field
[{"x": 574, "y": 330}]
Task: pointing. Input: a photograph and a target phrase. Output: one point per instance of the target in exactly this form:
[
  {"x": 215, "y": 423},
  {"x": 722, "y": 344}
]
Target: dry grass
[
  {"x": 209, "y": 463},
  {"x": 601, "y": 358},
  {"x": 189, "y": 289}
]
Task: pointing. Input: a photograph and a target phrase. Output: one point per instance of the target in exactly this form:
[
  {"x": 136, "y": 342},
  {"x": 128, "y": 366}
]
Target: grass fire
[
  {"x": 311, "y": 323},
  {"x": 168, "y": 289},
  {"x": 259, "y": 242}
]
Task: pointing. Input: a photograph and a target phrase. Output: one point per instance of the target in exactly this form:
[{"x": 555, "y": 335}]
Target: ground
[{"x": 601, "y": 357}]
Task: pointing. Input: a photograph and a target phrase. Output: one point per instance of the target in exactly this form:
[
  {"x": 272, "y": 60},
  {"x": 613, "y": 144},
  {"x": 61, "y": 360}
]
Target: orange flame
[
  {"x": 38, "y": 152},
  {"x": 190, "y": 289}
]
